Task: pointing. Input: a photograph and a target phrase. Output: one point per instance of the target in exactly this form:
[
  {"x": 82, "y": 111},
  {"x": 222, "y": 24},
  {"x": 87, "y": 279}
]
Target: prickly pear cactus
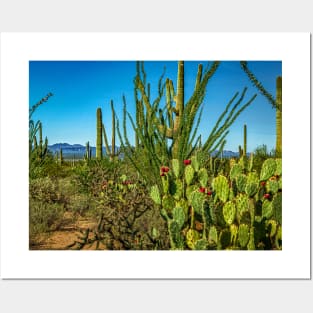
[
  {"x": 221, "y": 187},
  {"x": 203, "y": 177},
  {"x": 235, "y": 170},
  {"x": 195, "y": 163},
  {"x": 200, "y": 244},
  {"x": 197, "y": 200},
  {"x": 268, "y": 169},
  {"x": 177, "y": 240},
  {"x": 176, "y": 167},
  {"x": 234, "y": 233},
  {"x": 251, "y": 245},
  {"x": 155, "y": 194},
  {"x": 267, "y": 209},
  {"x": 278, "y": 167},
  {"x": 179, "y": 216},
  {"x": 243, "y": 235},
  {"x": 277, "y": 208},
  {"x": 229, "y": 212},
  {"x": 224, "y": 239},
  {"x": 252, "y": 184},
  {"x": 213, "y": 236},
  {"x": 191, "y": 237},
  {"x": 177, "y": 189},
  {"x": 168, "y": 203},
  {"x": 189, "y": 174},
  {"x": 272, "y": 185},
  {"x": 165, "y": 183},
  {"x": 241, "y": 181}
]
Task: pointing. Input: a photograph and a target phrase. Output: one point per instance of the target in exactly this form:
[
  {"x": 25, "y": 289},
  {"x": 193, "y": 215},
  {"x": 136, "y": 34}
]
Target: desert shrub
[
  {"x": 44, "y": 217},
  {"x": 45, "y": 190},
  {"x": 260, "y": 155},
  {"x": 47, "y": 167},
  {"x": 127, "y": 219}
]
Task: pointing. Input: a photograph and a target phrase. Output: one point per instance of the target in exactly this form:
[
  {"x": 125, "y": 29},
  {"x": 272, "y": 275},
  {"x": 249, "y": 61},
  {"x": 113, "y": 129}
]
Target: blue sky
[{"x": 80, "y": 87}]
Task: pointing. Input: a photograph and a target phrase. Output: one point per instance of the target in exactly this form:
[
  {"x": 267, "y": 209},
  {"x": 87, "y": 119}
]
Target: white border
[{"x": 18, "y": 262}]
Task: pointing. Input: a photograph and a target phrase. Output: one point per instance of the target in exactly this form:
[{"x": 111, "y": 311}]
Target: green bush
[{"x": 44, "y": 217}]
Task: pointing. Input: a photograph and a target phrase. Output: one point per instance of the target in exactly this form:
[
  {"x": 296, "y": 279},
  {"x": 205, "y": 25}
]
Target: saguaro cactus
[
  {"x": 279, "y": 116},
  {"x": 88, "y": 152},
  {"x": 111, "y": 153},
  {"x": 61, "y": 156},
  {"x": 245, "y": 140},
  {"x": 99, "y": 135}
]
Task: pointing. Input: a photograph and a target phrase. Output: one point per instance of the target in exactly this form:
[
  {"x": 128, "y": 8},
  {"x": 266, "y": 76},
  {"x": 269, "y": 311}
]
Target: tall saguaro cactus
[
  {"x": 99, "y": 135},
  {"x": 88, "y": 152},
  {"x": 245, "y": 140},
  {"x": 279, "y": 116},
  {"x": 111, "y": 153}
]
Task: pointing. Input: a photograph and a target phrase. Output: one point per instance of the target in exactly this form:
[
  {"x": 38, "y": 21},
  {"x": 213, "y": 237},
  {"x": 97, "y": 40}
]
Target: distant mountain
[
  {"x": 78, "y": 151},
  {"x": 73, "y": 151},
  {"x": 57, "y": 146}
]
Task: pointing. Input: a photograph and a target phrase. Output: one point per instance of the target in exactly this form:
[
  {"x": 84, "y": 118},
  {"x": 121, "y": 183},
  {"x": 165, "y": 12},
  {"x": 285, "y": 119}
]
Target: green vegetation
[{"x": 168, "y": 191}]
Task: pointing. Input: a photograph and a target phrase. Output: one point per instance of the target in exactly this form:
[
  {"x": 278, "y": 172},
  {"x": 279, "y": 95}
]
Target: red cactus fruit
[
  {"x": 267, "y": 195},
  {"x": 209, "y": 193},
  {"x": 187, "y": 162},
  {"x": 162, "y": 174},
  {"x": 201, "y": 189},
  {"x": 263, "y": 183},
  {"x": 164, "y": 169}
]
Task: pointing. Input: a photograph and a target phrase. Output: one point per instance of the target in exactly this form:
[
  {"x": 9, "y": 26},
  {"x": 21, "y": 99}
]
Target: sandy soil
[{"x": 65, "y": 234}]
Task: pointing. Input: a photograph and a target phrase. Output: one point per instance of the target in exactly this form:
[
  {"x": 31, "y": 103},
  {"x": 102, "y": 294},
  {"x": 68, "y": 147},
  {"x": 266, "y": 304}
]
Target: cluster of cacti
[
  {"x": 238, "y": 210},
  {"x": 171, "y": 132},
  {"x": 39, "y": 150}
]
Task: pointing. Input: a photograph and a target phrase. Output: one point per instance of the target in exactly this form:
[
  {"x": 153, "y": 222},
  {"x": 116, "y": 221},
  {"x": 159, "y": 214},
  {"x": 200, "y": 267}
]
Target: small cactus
[
  {"x": 197, "y": 200},
  {"x": 200, "y": 244},
  {"x": 268, "y": 169},
  {"x": 277, "y": 208},
  {"x": 191, "y": 237},
  {"x": 267, "y": 209},
  {"x": 234, "y": 233},
  {"x": 243, "y": 235},
  {"x": 179, "y": 216},
  {"x": 176, "y": 167},
  {"x": 213, "y": 236},
  {"x": 229, "y": 212},
  {"x": 203, "y": 177},
  {"x": 189, "y": 174},
  {"x": 155, "y": 194},
  {"x": 241, "y": 181},
  {"x": 235, "y": 170},
  {"x": 221, "y": 187},
  {"x": 252, "y": 184}
]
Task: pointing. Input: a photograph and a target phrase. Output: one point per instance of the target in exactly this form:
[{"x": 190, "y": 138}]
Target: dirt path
[{"x": 65, "y": 235}]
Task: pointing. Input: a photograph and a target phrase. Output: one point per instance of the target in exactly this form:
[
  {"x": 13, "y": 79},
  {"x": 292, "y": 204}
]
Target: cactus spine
[
  {"x": 99, "y": 135},
  {"x": 279, "y": 116}
]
